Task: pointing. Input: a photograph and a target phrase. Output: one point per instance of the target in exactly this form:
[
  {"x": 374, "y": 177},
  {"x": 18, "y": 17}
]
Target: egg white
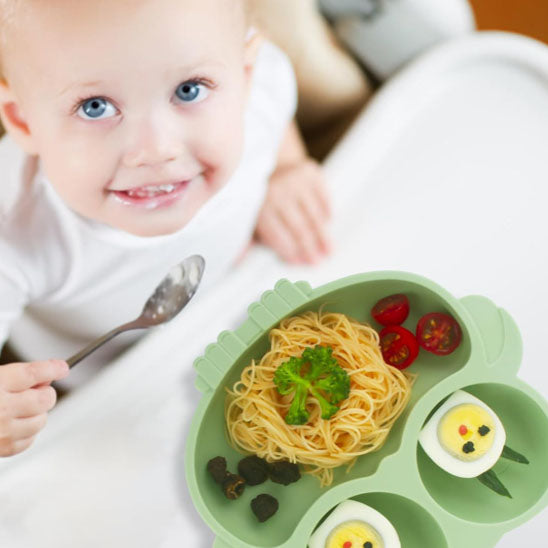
[
  {"x": 430, "y": 442},
  {"x": 351, "y": 510}
]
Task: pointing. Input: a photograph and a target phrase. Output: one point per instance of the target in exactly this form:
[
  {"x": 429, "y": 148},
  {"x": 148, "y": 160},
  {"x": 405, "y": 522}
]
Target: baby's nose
[{"x": 153, "y": 144}]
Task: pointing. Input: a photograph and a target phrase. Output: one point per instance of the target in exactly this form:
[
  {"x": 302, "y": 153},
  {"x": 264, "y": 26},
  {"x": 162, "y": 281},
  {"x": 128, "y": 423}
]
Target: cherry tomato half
[
  {"x": 438, "y": 333},
  {"x": 399, "y": 346},
  {"x": 392, "y": 310}
]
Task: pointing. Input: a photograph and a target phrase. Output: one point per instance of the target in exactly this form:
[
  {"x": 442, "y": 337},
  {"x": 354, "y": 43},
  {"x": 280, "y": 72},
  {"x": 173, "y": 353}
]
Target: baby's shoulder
[
  {"x": 17, "y": 171},
  {"x": 273, "y": 63},
  {"x": 33, "y": 245},
  {"x": 27, "y": 219},
  {"x": 274, "y": 81}
]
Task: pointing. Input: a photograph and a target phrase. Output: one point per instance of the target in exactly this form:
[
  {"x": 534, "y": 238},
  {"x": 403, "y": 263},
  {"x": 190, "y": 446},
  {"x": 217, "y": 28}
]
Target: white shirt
[{"x": 65, "y": 280}]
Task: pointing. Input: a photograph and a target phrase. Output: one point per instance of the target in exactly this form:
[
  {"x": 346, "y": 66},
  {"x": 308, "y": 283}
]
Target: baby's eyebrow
[
  {"x": 202, "y": 65},
  {"x": 189, "y": 69},
  {"x": 82, "y": 85}
]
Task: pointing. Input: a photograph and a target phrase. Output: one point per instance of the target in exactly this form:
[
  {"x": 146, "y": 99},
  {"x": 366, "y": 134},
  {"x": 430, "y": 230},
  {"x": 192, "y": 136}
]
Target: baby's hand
[
  {"x": 25, "y": 398},
  {"x": 294, "y": 216}
]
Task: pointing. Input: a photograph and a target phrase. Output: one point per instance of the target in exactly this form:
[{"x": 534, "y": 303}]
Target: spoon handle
[{"x": 73, "y": 360}]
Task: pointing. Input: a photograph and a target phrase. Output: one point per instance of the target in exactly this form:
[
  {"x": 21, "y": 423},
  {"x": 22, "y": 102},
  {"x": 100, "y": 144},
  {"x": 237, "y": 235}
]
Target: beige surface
[{"x": 332, "y": 87}]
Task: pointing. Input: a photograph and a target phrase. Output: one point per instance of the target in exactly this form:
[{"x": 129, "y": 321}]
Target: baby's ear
[
  {"x": 13, "y": 119},
  {"x": 252, "y": 45}
]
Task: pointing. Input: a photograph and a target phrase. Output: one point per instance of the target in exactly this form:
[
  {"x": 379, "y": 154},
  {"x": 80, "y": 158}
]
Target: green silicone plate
[{"x": 428, "y": 507}]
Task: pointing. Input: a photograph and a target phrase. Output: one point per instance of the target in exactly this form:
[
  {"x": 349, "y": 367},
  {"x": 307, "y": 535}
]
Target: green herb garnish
[
  {"x": 316, "y": 373},
  {"x": 510, "y": 454},
  {"x": 491, "y": 480}
]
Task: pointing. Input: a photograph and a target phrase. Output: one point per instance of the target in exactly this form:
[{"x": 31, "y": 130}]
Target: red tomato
[
  {"x": 392, "y": 310},
  {"x": 398, "y": 346},
  {"x": 438, "y": 333}
]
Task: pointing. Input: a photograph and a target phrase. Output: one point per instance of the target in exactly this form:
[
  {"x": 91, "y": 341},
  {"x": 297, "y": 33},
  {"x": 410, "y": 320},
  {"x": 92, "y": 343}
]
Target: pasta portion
[{"x": 255, "y": 410}]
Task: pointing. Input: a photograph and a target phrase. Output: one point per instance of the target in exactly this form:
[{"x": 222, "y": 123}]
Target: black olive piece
[
  {"x": 468, "y": 447},
  {"x": 368, "y": 544},
  {"x": 217, "y": 468},
  {"x": 233, "y": 486},
  {"x": 284, "y": 472},
  {"x": 253, "y": 469},
  {"x": 264, "y": 506},
  {"x": 484, "y": 430}
]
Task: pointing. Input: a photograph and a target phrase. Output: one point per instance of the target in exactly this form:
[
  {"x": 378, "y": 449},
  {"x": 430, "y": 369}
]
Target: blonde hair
[{"x": 8, "y": 9}]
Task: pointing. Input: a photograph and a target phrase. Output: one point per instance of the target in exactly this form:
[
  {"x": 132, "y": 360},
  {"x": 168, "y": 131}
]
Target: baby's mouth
[
  {"x": 152, "y": 196},
  {"x": 151, "y": 191}
]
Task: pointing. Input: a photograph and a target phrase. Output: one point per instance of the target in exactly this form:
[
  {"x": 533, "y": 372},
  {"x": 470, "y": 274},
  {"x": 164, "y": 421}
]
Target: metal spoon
[{"x": 168, "y": 299}]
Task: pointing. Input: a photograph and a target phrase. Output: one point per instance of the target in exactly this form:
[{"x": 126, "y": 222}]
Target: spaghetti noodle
[{"x": 378, "y": 395}]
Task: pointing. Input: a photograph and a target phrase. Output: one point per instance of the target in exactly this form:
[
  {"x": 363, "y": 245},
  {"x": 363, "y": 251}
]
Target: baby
[{"x": 138, "y": 132}]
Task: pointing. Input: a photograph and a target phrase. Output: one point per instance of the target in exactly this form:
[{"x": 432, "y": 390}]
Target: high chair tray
[{"x": 443, "y": 174}]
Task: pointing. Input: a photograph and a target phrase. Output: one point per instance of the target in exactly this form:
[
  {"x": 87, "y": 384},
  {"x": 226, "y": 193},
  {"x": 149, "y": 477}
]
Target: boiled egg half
[
  {"x": 464, "y": 436},
  {"x": 353, "y": 524}
]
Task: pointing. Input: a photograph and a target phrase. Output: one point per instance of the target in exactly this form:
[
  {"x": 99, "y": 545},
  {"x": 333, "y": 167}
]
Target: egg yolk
[
  {"x": 466, "y": 431},
  {"x": 354, "y": 534}
]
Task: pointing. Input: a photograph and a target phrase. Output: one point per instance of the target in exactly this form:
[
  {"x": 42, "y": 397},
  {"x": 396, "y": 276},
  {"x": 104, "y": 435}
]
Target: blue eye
[
  {"x": 191, "y": 92},
  {"x": 96, "y": 108}
]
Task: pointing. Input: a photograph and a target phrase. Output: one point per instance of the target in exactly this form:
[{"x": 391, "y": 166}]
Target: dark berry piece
[
  {"x": 217, "y": 468},
  {"x": 253, "y": 469},
  {"x": 233, "y": 486},
  {"x": 264, "y": 507},
  {"x": 284, "y": 472}
]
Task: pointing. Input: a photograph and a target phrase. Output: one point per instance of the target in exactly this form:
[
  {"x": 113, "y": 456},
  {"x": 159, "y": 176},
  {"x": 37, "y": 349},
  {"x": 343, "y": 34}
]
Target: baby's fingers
[
  {"x": 273, "y": 232},
  {"x": 302, "y": 231},
  {"x": 313, "y": 187},
  {"x": 17, "y": 377},
  {"x": 321, "y": 193},
  {"x": 22, "y": 429},
  {"x": 10, "y": 447},
  {"x": 32, "y": 402},
  {"x": 314, "y": 213}
]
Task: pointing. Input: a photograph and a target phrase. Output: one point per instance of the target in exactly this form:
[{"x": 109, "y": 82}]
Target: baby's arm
[
  {"x": 25, "y": 398},
  {"x": 294, "y": 215},
  {"x": 25, "y": 392}
]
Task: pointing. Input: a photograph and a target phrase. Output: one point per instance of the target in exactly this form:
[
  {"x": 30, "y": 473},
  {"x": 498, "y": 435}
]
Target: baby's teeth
[
  {"x": 166, "y": 188},
  {"x": 151, "y": 191}
]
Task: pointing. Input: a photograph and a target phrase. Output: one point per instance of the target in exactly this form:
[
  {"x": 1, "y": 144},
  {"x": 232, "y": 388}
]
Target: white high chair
[
  {"x": 386, "y": 34},
  {"x": 444, "y": 174}
]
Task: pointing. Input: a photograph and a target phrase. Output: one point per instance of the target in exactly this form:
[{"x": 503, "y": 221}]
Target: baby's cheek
[
  {"x": 220, "y": 148},
  {"x": 78, "y": 173}
]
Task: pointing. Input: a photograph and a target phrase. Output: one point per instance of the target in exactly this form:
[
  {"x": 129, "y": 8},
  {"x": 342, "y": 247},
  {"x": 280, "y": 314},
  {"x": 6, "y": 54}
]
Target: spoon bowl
[
  {"x": 174, "y": 292},
  {"x": 169, "y": 298}
]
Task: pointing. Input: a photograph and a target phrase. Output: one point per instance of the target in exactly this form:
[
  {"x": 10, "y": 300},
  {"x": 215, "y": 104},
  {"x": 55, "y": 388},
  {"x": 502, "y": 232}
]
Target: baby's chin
[
  {"x": 150, "y": 230},
  {"x": 149, "y": 223}
]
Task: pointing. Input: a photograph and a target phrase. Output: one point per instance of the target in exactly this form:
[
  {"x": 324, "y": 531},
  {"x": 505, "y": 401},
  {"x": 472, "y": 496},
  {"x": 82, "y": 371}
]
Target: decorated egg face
[
  {"x": 354, "y": 534},
  {"x": 464, "y": 436},
  {"x": 467, "y": 431},
  {"x": 355, "y": 525}
]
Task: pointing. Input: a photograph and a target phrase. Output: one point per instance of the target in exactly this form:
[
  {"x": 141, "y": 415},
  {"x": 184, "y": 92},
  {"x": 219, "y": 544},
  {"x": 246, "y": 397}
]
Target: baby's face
[{"x": 135, "y": 107}]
